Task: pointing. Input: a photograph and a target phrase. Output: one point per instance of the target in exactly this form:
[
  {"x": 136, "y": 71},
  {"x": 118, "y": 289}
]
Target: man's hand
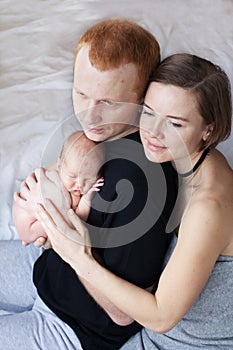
[
  {"x": 35, "y": 189},
  {"x": 40, "y": 242},
  {"x": 30, "y": 194}
]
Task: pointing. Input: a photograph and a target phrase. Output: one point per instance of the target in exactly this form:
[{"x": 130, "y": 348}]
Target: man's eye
[{"x": 106, "y": 103}]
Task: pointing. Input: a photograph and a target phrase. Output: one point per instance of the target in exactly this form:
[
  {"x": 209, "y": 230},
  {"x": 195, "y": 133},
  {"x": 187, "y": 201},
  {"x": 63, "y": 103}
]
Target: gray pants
[{"x": 26, "y": 323}]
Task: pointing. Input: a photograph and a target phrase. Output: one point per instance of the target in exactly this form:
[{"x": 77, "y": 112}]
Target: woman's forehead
[{"x": 168, "y": 100}]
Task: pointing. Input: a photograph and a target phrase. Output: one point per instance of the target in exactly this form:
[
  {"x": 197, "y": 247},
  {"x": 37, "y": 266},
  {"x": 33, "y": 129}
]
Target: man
[{"x": 113, "y": 62}]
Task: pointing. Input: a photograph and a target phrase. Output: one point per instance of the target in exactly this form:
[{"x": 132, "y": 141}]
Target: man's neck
[{"x": 127, "y": 132}]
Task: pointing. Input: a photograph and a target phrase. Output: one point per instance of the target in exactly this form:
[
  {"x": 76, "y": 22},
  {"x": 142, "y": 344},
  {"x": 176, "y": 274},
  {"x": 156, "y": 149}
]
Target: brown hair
[
  {"x": 115, "y": 42},
  {"x": 208, "y": 83}
]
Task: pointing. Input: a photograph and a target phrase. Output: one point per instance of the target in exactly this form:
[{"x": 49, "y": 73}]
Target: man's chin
[{"x": 96, "y": 137}]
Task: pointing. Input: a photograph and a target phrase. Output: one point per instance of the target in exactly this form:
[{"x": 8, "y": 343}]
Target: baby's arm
[
  {"x": 84, "y": 206},
  {"x": 27, "y": 226}
]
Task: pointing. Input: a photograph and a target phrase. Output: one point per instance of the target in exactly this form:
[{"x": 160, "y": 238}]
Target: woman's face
[{"x": 171, "y": 127}]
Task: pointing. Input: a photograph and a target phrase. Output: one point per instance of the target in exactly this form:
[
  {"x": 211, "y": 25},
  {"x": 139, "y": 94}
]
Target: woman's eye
[
  {"x": 148, "y": 114},
  {"x": 176, "y": 125}
]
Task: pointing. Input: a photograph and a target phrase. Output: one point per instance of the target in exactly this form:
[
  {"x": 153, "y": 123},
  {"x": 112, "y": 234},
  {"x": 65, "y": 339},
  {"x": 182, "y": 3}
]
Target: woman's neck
[{"x": 187, "y": 166}]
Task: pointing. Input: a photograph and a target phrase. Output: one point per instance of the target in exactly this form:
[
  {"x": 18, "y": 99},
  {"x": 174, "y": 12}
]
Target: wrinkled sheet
[{"x": 38, "y": 41}]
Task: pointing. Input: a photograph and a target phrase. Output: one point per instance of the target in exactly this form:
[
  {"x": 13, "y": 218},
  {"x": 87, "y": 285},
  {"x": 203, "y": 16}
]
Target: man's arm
[{"x": 27, "y": 226}]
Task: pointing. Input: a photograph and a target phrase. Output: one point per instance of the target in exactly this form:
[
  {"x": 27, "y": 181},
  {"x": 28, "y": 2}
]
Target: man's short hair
[{"x": 115, "y": 42}]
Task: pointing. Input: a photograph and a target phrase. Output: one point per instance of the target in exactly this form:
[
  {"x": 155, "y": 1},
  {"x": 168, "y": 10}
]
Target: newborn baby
[{"x": 70, "y": 183}]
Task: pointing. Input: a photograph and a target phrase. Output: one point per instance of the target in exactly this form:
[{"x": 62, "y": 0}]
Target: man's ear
[{"x": 207, "y": 132}]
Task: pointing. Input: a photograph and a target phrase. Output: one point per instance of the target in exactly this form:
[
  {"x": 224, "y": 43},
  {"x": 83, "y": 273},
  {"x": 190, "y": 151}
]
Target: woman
[{"x": 187, "y": 112}]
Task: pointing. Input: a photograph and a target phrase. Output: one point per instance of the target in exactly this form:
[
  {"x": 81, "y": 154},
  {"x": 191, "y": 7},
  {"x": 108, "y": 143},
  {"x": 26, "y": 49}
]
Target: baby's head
[{"x": 80, "y": 163}]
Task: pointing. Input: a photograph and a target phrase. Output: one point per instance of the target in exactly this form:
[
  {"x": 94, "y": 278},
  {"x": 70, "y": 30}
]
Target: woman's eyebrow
[
  {"x": 144, "y": 104},
  {"x": 177, "y": 118},
  {"x": 168, "y": 116}
]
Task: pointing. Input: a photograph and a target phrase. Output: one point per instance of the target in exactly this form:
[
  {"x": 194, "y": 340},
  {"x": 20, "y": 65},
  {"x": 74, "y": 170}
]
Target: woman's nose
[{"x": 157, "y": 128}]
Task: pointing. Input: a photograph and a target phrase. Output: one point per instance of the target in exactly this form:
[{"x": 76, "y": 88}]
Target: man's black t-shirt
[{"x": 127, "y": 226}]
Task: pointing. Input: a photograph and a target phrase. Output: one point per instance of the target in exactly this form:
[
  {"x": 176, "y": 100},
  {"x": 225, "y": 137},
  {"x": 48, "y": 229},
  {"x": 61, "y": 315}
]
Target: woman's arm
[{"x": 203, "y": 235}]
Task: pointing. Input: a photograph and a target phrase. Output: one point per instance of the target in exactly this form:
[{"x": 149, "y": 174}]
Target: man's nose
[{"x": 92, "y": 115}]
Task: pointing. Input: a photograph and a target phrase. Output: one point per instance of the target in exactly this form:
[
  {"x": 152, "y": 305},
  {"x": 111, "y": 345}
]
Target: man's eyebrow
[{"x": 168, "y": 116}]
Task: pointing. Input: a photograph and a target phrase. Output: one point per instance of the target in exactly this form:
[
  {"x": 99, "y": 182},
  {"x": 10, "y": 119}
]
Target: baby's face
[{"x": 78, "y": 175}]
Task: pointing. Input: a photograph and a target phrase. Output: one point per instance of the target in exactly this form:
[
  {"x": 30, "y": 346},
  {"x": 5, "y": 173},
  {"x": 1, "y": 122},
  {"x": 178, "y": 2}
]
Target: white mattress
[{"x": 38, "y": 40}]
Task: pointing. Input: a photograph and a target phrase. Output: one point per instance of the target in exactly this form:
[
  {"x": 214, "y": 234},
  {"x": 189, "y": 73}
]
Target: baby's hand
[
  {"x": 98, "y": 184},
  {"x": 95, "y": 188}
]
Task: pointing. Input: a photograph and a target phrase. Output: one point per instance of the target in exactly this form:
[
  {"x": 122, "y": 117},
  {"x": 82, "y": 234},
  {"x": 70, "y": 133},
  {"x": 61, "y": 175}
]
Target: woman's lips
[{"x": 154, "y": 146}]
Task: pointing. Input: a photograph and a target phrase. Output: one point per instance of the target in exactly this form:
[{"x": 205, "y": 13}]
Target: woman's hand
[{"x": 72, "y": 244}]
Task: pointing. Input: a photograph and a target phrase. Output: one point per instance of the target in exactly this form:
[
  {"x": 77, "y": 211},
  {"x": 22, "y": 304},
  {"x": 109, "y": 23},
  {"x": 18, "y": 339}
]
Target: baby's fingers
[{"x": 99, "y": 183}]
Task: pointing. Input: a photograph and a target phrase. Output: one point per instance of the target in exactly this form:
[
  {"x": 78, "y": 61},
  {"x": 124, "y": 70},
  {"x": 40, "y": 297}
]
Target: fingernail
[{"x": 70, "y": 212}]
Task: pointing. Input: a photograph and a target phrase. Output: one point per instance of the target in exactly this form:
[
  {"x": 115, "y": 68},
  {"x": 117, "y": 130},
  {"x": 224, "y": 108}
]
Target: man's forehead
[{"x": 84, "y": 66}]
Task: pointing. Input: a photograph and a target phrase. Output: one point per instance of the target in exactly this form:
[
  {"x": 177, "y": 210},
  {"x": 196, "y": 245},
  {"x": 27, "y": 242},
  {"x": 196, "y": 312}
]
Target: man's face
[{"x": 103, "y": 99}]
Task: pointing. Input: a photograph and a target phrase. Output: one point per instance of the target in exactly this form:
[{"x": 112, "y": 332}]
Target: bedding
[{"x": 38, "y": 41}]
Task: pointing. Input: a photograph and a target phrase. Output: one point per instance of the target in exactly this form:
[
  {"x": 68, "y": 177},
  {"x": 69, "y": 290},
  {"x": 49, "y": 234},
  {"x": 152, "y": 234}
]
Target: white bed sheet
[{"x": 38, "y": 40}]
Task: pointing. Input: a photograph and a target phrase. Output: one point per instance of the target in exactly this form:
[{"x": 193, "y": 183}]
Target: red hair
[{"x": 116, "y": 42}]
